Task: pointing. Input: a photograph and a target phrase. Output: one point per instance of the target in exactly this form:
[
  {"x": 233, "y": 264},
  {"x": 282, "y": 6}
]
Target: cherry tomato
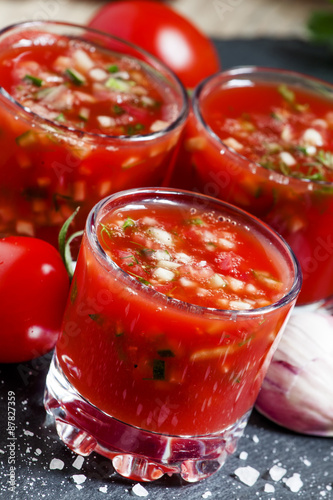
[
  {"x": 33, "y": 291},
  {"x": 164, "y": 33}
]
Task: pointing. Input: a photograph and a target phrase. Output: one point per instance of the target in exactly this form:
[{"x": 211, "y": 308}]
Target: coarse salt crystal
[
  {"x": 269, "y": 488},
  {"x": 243, "y": 455},
  {"x": 306, "y": 462},
  {"x": 79, "y": 478},
  {"x": 294, "y": 482},
  {"x": 277, "y": 472},
  {"x": 207, "y": 494},
  {"x": 247, "y": 475},
  {"x": 255, "y": 439},
  {"x": 56, "y": 463},
  {"x": 103, "y": 489},
  {"x": 139, "y": 490},
  {"x": 38, "y": 451},
  {"x": 78, "y": 462},
  {"x": 27, "y": 433}
]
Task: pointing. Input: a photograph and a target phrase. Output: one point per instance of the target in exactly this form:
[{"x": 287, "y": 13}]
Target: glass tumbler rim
[
  {"x": 263, "y": 74},
  {"x": 266, "y": 231},
  {"x": 158, "y": 66}
]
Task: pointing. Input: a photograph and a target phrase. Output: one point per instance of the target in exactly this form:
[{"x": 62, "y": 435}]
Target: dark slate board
[{"x": 265, "y": 443}]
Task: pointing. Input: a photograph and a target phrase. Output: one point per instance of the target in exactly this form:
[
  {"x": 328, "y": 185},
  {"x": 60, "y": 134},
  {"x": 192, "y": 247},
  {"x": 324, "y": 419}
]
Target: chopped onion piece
[
  {"x": 161, "y": 254},
  {"x": 239, "y": 305},
  {"x": 186, "y": 282},
  {"x": 226, "y": 244},
  {"x": 159, "y": 125},
  {"x": 235, "y": 284},
  {"x": 106, "y": 121},
  {"x": 168, "y": 264},
  {"x": 163, "y": 274},
  {"x": 287, "y": 158},
  {"x": 25, "y": 227},
  {"x": 195, "y": 144},
  {"x": 161, "y": 235},
  {"x": 82, "y": 60},
  {"x": 217, "y": 281}
]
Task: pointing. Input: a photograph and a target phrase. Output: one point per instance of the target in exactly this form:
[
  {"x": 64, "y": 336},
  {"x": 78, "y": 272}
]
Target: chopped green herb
[
  {"x": 159, "y": 369},
  {"x": 302, "y": 149},
  {"x": 134, "y": 129},
  {"x": 275, "y": 116},
  {"x": 140, "y": 278},
  {"x": 325, "y": 158},
  {"x": 287, "y": 94},
  {"x": 38, "y": 82},
  {"x": 105, "y": 231},
  {"x": 196, "y": 222},
  {"x": 285, "y": 169},
  {"x": 75, "y": 76},
  {"x": 269, "y": 165},
  {"x": 97, "y": 318},
  {"x": 118, "y": 84},
  {"x": 118, "y": 110},
  {"x": 131, "y": 257},
  {"x": 240, "y": 344},
  {"x": 166, "y": 353},
  {"x": 60, "y": 118},
  {"x": 113, "y": 68},
  {"x": 128, "y": 223}
]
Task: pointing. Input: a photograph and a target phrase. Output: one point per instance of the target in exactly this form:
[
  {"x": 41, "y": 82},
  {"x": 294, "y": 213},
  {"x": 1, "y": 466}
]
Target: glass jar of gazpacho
[
  {"x": 82, "y": 115},
  {"x": 176, "y": 306},
  {"x": 262, "y": 139}
]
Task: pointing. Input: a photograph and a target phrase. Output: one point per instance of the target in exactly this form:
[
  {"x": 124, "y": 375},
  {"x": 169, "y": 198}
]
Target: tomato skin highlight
[
  {"x": 33, "y": 292},
  {"x": 164, "y": 33}
]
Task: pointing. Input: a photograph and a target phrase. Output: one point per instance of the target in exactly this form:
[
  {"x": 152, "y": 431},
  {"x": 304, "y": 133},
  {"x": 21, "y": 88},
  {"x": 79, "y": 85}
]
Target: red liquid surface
[
  {"x": 46, "y": 171},
  {"x": 292, "y": 139},
  {"x": 153, "y": 362}
]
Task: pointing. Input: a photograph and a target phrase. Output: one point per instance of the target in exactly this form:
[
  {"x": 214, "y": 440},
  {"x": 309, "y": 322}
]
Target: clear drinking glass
[
  {"x": 298, "y": 208},
  {"x": 156, "y": 384},
  {"x": 48, "y": 167}
]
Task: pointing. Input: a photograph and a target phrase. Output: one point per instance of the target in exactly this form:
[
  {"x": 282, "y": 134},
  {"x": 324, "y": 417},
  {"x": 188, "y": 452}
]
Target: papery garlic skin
[{"x": 297, "y": 391}]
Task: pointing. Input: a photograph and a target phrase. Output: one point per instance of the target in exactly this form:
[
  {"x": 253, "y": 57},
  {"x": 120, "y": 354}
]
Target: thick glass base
[{"x": 136, "y": 454}]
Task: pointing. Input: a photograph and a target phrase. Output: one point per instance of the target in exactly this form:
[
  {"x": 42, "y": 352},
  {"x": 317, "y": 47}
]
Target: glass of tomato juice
[
  {"x": 262, "y": 139},
  {"x": 176, "y": 306},
  {"x": 82, "y": 115}
]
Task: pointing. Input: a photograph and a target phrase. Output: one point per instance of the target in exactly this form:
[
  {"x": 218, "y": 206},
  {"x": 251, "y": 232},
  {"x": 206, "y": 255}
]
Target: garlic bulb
[{"x": 297, "y": 391}]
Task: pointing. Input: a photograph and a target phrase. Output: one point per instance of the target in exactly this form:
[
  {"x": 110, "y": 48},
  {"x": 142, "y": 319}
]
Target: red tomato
[
  {"x": 164, "y": 33},
  {"x": 33, "y": 292}
]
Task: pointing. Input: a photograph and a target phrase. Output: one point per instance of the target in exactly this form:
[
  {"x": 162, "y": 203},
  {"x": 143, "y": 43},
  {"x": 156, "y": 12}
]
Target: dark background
[{"x": 265, "y": 443}]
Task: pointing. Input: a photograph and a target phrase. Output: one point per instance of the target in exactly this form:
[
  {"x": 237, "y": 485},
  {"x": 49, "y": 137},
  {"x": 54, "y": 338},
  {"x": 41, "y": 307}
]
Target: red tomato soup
[
  {"x": 170, "y": 325},
  {"x": 264, "y": 141},
  {"x": 78, "y": 123}
]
